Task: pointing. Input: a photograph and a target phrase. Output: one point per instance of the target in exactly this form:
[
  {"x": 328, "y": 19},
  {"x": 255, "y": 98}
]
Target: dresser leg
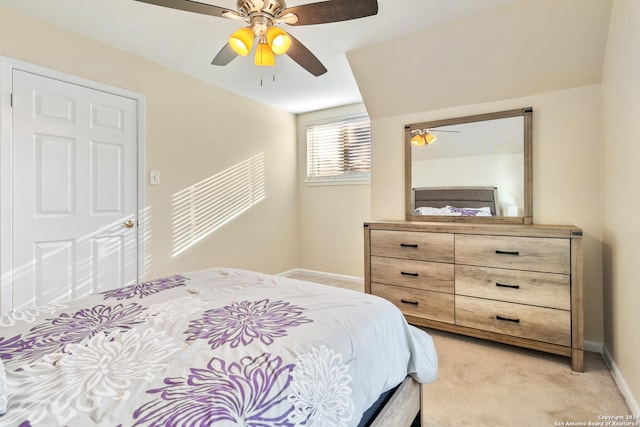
[
  {"x": 423, "y": 405},
  {"x": 577, "y": 360}
]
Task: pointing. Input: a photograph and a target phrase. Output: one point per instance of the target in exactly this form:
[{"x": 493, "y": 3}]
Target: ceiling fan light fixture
[
  {"x": 261, "y": 15},
  {"x": 418, "y": 140},
  {"x": 242, "y": 41},
  {"x": 423, "y": 138},
  {"x": 278, "y": 40},
  {"x": 264, "y": 56}
]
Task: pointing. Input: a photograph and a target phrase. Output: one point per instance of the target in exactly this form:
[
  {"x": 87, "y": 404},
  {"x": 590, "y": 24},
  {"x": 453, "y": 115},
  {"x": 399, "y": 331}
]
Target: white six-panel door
[{"x": 74, "y": 190}]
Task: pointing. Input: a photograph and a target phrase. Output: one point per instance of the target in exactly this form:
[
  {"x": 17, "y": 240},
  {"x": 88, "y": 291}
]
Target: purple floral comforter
[{"x": 221, "y": 347}]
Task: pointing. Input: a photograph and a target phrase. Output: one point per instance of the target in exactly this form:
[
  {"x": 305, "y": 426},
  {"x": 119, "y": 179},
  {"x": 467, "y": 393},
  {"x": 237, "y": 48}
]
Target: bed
[
  {"x": 223, "y": 347},
  {"x": 456, "y": 201}
]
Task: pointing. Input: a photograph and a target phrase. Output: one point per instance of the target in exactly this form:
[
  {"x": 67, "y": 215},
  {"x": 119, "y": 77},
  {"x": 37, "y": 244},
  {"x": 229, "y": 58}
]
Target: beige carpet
[
  {"x": 481, "y": 383},
  {"x": 487, "y": 384}
]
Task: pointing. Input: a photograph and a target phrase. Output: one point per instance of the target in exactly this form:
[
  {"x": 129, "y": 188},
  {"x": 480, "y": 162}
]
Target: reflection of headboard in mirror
[
  {"x": 484, "y": 150},
  {"x": 463, "y": 198}
]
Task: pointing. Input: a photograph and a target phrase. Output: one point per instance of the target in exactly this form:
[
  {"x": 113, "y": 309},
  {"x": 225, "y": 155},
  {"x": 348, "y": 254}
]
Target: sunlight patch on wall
[{"x": 199, "y": 210}]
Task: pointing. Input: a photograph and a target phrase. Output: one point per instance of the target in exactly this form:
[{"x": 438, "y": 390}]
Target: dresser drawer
[
  {"x": 412, "y": 245},
  {"x": 525, "y": 287},
  {"x": 433, "y": 276},
  {"x": 524, "y": 321},
  {"x": 521, "y": 253},
  {"x": 418, "y": 303}
]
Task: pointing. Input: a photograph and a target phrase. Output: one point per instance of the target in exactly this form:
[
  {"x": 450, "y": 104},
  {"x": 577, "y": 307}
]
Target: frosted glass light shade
[
  {"x": 242, "y": 41},
  {"x": 264, "y": 56},
  {"x": 278, "y": 40},
  {"x": 422, "y": 139},
  {"x": 418, "y": 140}
]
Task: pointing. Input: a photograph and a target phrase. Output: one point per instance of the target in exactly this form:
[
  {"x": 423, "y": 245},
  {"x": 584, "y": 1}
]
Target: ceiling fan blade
[
  {"x": 332, "y": 11},
  {"x": 225, "y": 56},
  {"x": 288, "y": 18},
  {"x": 303, "y": 56},
  {"x": 193, "y": 6},
  {"x": 232, "y": 14}
]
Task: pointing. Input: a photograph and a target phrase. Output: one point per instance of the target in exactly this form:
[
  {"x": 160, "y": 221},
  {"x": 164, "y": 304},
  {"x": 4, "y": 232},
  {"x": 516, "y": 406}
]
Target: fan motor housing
[{"x": 271, "y": 8}]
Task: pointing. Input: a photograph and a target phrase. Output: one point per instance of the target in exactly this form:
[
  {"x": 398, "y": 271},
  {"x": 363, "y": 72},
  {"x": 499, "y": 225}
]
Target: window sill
[{"x": 325, "y": 182}]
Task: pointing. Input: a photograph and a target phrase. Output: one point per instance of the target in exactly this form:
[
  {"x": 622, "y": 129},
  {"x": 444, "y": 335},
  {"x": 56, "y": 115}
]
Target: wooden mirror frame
[{"x": 526, "y": 218}]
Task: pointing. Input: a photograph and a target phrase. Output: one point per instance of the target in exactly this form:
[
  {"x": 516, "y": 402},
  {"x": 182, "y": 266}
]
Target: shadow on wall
[{"x": 199, "y": 210}]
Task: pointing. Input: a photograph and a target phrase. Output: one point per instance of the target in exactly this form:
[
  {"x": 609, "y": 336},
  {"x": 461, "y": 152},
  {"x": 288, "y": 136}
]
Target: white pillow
[
  {"x": 453, "y": 211},
  {"x": 4, "y": 393},
  {"x": 426, "y": 210},
  {"x": 484, "y": 211}
]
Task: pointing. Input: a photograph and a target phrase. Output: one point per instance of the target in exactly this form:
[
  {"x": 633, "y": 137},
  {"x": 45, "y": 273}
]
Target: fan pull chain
[{"x": 273, "y": 75}]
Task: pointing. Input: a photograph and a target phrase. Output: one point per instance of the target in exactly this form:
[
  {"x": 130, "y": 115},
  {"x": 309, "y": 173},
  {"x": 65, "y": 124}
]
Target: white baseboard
[
  {"x": 346, "y": 278},
  {"x": 287, "y": 273},
  {"x": 622, "y": 384}
]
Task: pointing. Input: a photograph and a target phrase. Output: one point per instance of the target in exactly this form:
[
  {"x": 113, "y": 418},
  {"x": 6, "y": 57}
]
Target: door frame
[{"x": 7, "y": 66}]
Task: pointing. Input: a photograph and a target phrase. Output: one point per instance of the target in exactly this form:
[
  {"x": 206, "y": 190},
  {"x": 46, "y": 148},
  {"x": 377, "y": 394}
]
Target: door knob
[{"x": 128, "y": 224}]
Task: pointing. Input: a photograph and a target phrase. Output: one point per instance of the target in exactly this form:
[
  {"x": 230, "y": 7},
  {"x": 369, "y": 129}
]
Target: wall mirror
[{"x": 470, "y": 169}]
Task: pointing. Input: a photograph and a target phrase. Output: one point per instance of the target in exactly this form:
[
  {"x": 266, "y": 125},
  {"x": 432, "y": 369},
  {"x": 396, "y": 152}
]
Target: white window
[{"x": 339, "y": 150}]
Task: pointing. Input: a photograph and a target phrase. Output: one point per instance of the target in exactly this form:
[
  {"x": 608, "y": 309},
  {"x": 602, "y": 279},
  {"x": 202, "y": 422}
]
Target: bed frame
[
  {"x": 460, "y": 197},
  {"x": 403, "y": 406}
]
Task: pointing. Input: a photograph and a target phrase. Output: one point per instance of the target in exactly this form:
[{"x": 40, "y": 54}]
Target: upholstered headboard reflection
[{"x": 458, "y": 197}]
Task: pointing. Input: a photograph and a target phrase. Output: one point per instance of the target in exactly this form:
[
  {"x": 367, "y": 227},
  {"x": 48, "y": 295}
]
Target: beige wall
[
  {"x": 519, "y": 49},
  {"x": 194, "y": 130},
  {"x": 566, "y": 175},
  {"x": 330, "y": 217},
  {"x": 621, "y": 202}
]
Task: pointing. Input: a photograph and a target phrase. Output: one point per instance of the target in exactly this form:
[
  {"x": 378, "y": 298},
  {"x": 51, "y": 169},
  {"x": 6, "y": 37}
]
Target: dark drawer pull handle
[
  {"x": 404, "y": 301},
  {"x": 508, "y": 252},
  {"x": 408, "y": 245},
  {"x": 404, "y": 273},
  {"x": 502, "y": 285},
  {"x": 506, "y": 319}
]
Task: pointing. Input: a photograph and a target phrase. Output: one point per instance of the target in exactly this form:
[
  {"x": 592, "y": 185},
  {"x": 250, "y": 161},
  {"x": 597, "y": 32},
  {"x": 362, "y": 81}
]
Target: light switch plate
[{"x": 154, "y": 177}]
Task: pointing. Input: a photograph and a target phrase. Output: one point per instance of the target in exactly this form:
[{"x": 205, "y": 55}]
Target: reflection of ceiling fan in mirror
[
  {"x": 423, "y": 137},
  {"x": 264, "y": 18}
]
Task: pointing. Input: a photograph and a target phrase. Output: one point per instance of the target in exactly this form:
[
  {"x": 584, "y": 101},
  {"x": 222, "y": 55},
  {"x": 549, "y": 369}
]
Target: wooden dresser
[{"x": 515, "y": 284}]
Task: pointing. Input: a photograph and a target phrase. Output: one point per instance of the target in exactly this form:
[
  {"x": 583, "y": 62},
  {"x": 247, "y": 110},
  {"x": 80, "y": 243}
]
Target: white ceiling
[{"x": 188, "y": 42}]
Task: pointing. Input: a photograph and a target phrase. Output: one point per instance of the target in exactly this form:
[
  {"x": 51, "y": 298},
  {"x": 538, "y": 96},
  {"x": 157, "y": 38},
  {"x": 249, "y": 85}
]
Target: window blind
[{"x": 339, "y": 149}]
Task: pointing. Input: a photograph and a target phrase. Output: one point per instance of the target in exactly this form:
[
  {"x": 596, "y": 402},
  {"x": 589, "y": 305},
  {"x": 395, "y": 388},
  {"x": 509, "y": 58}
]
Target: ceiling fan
[
  {"x": 422, "y": 137},
  {"x": 264, "y": 18}
]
